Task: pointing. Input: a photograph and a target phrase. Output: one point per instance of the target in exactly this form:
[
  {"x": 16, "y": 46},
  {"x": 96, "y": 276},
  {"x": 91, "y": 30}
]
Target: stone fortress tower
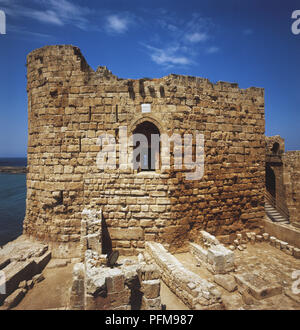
[{"x": 70, "y": 105}]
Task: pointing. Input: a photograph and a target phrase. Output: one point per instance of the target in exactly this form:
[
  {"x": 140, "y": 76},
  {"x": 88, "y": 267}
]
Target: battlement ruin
[{"x": 70, "y": 105}]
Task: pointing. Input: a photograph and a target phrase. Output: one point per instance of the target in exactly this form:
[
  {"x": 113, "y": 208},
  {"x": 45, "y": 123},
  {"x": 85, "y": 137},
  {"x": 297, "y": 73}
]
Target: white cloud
[
  {"x": 168, "y": 56},
  {"x": 47, "y": 16},
  {"x": 212, "y": 50},
  {"x": 181, "y": 41},
  {"x": 55, "y": 12},
  {"x": 117, "y": 24},
  {"x": 196, "y": 37}
]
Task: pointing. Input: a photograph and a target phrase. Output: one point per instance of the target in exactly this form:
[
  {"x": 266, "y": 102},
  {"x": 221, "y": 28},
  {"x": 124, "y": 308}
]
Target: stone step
[{"x": 274, "y": 215}]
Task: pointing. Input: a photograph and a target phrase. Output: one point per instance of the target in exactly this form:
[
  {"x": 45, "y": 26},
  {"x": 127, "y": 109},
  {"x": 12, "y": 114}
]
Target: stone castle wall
[
  {"x": 291, "y": 178},
  {"x": 70, "y": 105}
]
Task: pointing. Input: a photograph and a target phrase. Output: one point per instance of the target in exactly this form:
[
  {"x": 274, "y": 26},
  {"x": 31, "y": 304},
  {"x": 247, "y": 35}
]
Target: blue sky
[{"x": 248, "y": 42}]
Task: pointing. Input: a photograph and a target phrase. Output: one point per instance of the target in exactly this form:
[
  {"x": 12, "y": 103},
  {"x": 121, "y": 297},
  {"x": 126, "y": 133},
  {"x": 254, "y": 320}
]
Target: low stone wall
[
  {"x": 195, "y": 292},
  {"x": 251, "y": 237},
  {"x": 284, "y": 232},
  {"x": 217, "y": 258}
]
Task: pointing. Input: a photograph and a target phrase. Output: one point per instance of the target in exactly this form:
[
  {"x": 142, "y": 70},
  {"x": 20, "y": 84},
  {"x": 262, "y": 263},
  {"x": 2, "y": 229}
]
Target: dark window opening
[
  {"x": 147, "y": 155},
  {"x": 275, "y": 148}
]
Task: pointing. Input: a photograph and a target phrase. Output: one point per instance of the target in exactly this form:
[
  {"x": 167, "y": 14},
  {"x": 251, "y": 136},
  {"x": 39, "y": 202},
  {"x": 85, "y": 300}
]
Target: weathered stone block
[
  {"x": 226, "y": 281},
  {"x": 126, "y": 233},
  {"x": 296, "y": 253},
  {"x": 148, "y": 272},
  {"x": 258, "y": 287},
  {"x": 114, "y": 280},
  {"x": 77, "y": 292},
  {"x": 151, "y": 304},
  {"x": 220, "y": 259},
  {"x": 199, "y": 252},
  {"x": 150, "y": 288}
]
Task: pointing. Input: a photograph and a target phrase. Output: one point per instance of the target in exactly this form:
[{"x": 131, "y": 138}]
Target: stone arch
[
  {"x": 148, "y": 156},
  {"x": 144, "y": 118}
]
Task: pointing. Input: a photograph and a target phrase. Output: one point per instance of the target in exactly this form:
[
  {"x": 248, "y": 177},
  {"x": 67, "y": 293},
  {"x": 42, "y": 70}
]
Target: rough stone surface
[
  {"x": 193, "y": 290},
  {"x": 226, "y": 281},
  {"x": 220, "y": 259},
  {"x": 76, "y": 301},
  {"x": 70, "y": 106},
  {"x": 258, "y": 287},
  {"x": 12, "y": 300},
  {"x": 27, "y": 258}
]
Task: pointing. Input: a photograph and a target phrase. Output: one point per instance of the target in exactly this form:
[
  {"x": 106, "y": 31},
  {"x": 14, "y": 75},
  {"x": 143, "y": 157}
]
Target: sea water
[{"x": 12, "y": 200}]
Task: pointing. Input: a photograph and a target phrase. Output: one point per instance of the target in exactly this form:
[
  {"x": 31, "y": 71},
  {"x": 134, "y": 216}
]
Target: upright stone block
[{"x": 220, "y": 259}]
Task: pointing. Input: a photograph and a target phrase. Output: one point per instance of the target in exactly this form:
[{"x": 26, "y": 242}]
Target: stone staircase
[{"x": 274, "y": 215}]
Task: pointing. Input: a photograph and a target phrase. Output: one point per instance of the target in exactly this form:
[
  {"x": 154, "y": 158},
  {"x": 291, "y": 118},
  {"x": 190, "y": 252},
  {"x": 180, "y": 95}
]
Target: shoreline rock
[{"x": 13, "y": 169}]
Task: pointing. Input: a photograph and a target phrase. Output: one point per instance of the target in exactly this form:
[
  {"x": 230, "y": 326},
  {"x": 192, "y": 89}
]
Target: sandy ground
[
  {"x": 53, "y": 291},
  {"x": 261, "y": 259}
]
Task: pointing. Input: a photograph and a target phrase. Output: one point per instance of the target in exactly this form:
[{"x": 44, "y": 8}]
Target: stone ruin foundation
[
  {"x": 125, "y": 286},
  {"x": 215, "y": 277},
  {"x": 21, "y": 266},
  {"x": 135, "y": 283},
  {"x": 149, "y": 217}
]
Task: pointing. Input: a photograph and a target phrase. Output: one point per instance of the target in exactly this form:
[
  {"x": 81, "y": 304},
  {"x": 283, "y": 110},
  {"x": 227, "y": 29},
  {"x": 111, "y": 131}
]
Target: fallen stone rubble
[
  {"x": 241, "y": 241},
  {"x": 21, "y": 264},
  {"x": 127, "y": 286}
]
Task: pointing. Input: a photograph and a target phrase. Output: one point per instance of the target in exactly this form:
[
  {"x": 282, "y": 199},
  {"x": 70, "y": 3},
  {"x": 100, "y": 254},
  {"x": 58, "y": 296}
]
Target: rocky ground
[
  {"x": 261, "y": 260},
  {"x": 259, "y": 266},
  {"x": 53, "y": 291}
]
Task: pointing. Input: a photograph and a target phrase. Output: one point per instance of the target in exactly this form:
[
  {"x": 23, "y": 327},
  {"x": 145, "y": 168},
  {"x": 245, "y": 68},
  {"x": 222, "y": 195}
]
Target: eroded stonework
[{"x": 70, "y": 105}]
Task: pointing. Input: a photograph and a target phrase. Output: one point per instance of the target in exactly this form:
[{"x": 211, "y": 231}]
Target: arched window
[
  {"x": 275, "y": 148},
  {"x": 146, "y": 147}
]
